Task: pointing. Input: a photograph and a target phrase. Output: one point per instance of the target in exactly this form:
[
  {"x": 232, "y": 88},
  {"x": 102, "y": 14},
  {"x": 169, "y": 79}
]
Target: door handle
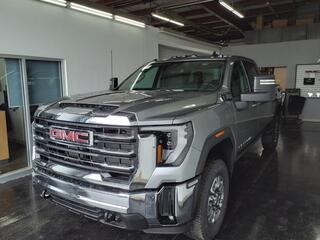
[{"x": 255, "y": 105}]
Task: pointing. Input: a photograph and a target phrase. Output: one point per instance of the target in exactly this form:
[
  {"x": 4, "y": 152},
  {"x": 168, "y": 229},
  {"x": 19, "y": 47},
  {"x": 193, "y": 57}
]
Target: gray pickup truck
[{"x": 157, "y": 152}]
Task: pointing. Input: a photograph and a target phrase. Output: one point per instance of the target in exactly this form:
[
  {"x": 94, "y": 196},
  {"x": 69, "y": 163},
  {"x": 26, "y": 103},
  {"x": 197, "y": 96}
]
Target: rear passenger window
[{"x": 251, "y": 70}]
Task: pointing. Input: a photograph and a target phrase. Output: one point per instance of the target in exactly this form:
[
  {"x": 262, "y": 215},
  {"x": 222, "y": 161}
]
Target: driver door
[{"x": 245, "y": 117}]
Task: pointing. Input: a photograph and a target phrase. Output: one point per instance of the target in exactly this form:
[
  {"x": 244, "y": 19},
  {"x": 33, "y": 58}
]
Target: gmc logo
[{"x": 73, "y": 136}]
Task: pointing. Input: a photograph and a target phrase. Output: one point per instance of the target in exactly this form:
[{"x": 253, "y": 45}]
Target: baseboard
[
  {"x": 4, "y": 161},
  {"x": 7, "y": 177},
  {"x": 310, "y": 120}
]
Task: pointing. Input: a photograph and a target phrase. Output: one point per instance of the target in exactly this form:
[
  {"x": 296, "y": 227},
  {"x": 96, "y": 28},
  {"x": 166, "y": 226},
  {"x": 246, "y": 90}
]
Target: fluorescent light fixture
[
  {"x": 238, "y": 14},
  {"x": 167, "y": 19},
  {"x": 89, "y": 10},
  {"x": 231, "y": 9},
  {"x": 160, "y": 17},
  {"x": 177, "y": 23},
  {"x": 62, "y": 3},
  {"x": 129, "y": 21},
  {"x": 226, "y": 5}
]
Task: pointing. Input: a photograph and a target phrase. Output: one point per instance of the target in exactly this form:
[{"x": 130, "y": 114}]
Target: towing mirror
[
  {"x": 264, "y": 84},
  {"x": 264, "y": 90},
  {"x": 113, "y": 83},
  {"x": 258, "y": 97}
]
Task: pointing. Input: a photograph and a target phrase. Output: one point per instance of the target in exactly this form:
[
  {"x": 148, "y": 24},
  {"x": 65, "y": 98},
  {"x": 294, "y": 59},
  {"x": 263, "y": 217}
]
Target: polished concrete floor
[
  {"x": 274, "y": 196},
  {"x": 18, "y": 158}
]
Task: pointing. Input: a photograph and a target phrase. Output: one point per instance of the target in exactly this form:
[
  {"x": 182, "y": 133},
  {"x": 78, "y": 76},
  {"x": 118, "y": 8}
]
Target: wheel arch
[{"x": 218, "y": 147}]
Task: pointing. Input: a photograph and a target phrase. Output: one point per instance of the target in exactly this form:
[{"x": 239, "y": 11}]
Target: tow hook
[{"x": 44, "y": 194}]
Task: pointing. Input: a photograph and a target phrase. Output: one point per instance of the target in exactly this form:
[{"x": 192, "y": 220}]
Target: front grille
[{"x": 114, "y": 149}]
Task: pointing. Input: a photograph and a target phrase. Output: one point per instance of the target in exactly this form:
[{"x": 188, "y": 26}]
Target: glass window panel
[
  {"x": 239, "y": 82},
  {"x": 13, "y": 153},
  {"x": 252, "y": 71},
  {"x": 44, "y": 81},
  {"x": 13, "y": 82}
]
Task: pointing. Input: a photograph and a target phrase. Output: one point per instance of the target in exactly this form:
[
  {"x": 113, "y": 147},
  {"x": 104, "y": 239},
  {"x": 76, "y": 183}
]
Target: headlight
[{"x": 173, "y": 142}]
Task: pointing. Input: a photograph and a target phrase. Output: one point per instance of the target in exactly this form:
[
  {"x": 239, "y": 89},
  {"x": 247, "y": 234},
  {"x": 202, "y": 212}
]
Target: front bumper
[{"x": 134, "y": 210}]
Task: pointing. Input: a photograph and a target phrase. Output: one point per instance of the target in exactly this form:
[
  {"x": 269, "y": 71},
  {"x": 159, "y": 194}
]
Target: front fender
[{"x": 211, "y": 141}]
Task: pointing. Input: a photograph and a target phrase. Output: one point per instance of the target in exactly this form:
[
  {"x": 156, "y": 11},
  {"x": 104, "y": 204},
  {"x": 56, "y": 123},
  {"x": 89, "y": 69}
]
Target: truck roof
[{"x": 214, "y": 56}]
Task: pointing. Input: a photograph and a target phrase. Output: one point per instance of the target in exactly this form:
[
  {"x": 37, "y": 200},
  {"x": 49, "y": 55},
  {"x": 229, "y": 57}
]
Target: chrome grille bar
[{"x": 114, "y": 149}]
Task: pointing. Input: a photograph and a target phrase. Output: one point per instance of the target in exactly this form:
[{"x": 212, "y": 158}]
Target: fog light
[{"x": 166, "y": 205}]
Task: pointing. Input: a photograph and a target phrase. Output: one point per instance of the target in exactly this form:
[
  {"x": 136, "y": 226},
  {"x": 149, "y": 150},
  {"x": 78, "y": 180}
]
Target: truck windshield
[{"x": 201, "y": 75}]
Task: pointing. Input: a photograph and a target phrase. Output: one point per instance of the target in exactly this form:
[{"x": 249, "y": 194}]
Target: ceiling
[{"x": 207, "y": 20}]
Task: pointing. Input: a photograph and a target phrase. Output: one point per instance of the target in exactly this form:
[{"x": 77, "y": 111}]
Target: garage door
[{"x": 167, "y": 52}]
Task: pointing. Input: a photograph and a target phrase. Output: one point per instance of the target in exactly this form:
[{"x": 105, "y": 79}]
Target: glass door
[
  {"x": 13, "y": 140},
  {"x": 44, "y": 82}
]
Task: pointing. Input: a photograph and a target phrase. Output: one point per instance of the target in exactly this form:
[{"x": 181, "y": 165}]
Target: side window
[
  {"x": 251, "y": 70},
  {"x": 239, "y": 82}
]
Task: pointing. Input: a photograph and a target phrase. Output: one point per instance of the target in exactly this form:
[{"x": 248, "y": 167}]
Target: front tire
[{"x": 212, "y": 202}]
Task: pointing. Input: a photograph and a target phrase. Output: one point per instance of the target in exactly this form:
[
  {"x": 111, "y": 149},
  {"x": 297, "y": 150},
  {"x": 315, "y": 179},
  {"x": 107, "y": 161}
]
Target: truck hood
[{"x": 145, "y": 105}]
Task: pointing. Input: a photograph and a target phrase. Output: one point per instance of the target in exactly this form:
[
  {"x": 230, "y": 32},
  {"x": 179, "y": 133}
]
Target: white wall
[
  {"x": 33, "y": 28},
  {"x": 285, "y": 54}
]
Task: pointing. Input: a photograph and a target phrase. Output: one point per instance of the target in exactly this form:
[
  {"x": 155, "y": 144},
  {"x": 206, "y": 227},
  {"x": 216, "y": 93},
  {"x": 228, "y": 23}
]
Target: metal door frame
[{"x": 27, "y": 118}]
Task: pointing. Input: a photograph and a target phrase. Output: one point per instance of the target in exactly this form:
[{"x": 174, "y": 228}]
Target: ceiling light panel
[
  {"x": 61, "y": 3},
  {"x": 89, "y": 10},
  {"x": 231, "y": 9},
  {"x": 160, "y": 17},
  {"x": 129, "y": 21},
  {"x": 166, "y": 19}
]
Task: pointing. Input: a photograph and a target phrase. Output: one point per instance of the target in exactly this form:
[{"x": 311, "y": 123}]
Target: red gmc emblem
[{"x": 73, "y": 136}]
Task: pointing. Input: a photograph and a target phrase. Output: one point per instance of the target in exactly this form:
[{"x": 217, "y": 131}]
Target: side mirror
[
  {"x": 258, "y": 97},
  {"x": 264, "y": 84},
  {"x": 264, "y": 90},
  {"x": 113, "y": 83}
]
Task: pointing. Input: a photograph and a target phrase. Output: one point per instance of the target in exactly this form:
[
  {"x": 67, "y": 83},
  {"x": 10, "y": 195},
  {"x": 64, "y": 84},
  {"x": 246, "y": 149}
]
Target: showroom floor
[
  {"x": 17, "y": 160},
  {"x": 275, "y": 196}
]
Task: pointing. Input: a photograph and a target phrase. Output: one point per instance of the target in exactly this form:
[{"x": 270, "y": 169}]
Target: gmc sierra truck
[{"x": 156, "y": 152}]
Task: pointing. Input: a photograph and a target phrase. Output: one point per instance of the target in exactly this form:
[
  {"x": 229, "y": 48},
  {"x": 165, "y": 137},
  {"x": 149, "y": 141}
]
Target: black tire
[
  {"x": 270, "y": 136},
  {"x": 202, "y": 228}
]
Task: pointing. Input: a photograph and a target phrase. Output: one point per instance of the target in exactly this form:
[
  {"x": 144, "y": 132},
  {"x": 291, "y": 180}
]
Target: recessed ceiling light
[
  {"x": 166, "y": 19},
  {"x": 129, "y": 21},
  {"x": 62, "y": 3},
  {"x": 89, "y": 10},
  {"x": 231, "y": 9}
]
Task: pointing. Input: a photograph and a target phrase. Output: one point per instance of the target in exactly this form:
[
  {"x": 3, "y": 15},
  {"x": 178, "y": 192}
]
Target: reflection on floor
[
  {"x": 18, "y": 158},
  {"x": 274, "y": 196}
]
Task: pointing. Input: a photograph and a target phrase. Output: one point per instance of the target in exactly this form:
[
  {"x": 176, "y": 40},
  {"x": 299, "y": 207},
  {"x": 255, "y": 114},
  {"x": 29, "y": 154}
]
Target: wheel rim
[{"x": 215, "y": 200}]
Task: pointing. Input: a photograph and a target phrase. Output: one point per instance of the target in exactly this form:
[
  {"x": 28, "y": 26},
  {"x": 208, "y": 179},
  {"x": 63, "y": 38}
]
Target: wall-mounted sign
[{"x": 308, "y": 80}]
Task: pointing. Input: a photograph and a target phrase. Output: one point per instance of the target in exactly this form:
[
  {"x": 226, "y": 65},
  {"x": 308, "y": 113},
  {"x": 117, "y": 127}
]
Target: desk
[{"x": 4, "y": 149}]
